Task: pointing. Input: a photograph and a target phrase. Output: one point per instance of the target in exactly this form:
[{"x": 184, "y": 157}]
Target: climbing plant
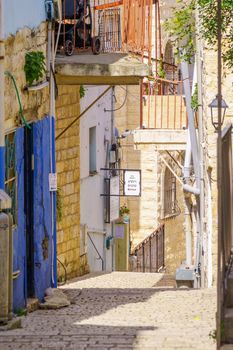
[
  {"x": 194, "y": 99},
  {"x": 182, "y": 27},
  {"x": 34, "y": 66},
  {"x": 82, "y": 91}
]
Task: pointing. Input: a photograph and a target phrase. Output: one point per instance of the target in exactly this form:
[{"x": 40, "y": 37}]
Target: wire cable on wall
[
  {"x": 7, "y": 73},
  {"x": 117, "y": 109}
]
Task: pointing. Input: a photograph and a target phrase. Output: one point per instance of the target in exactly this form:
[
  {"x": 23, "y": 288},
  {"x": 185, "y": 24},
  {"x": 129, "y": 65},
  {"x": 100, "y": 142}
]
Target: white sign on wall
[{"x": 132, "y": 183}]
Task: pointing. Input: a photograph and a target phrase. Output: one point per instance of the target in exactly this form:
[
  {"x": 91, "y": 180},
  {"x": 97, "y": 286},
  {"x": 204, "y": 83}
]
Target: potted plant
[{"x": 124, "y": 213}]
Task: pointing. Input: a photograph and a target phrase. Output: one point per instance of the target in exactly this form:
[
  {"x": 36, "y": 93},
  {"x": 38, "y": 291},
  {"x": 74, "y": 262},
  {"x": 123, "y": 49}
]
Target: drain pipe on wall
[
  {"x": 186, "y": 272},
  {"x": 196, "y": 166},
  {"x": 52, "y": 47},
  {"x": 188, "y": 188},
  {"x": 202, "y": 209},
  {"x": 2, "y": 89}
]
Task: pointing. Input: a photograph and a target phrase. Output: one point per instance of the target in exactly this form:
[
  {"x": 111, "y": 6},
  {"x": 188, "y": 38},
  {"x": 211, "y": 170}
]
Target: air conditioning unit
[{"x": 52, "y": 9}]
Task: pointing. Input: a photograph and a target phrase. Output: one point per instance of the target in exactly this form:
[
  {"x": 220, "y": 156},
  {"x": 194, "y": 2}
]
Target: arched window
[{"x": 169, "y": 193}]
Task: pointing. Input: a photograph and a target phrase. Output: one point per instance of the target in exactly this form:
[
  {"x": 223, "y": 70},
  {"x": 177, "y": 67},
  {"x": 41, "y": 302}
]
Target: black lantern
[{"x": 214, "y": 111}]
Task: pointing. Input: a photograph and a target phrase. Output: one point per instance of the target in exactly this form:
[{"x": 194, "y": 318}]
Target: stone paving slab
[{"x": 120, "y": 311}]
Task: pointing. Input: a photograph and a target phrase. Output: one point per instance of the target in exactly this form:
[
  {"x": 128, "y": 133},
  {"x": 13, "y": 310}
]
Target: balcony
[
  {"x": 90, "y": 46},
  {"x": 163, "y": 116}
]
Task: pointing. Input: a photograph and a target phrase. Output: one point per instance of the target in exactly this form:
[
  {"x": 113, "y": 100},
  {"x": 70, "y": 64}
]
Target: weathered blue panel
[
  {"x": 23, "y": 13},
  {"x": 54, "y": 197},
  {"x": 19, "y": 234},
  {"x": 42, "y": 208}
]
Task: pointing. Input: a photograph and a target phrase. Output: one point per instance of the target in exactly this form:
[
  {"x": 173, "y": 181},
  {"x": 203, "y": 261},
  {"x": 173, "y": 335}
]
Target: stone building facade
[
  {"x": 68, "y": 170},
  {"x": 146, "y": 212}
]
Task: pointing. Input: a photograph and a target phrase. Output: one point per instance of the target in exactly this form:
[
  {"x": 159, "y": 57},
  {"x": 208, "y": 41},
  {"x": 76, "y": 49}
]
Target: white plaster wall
[{"x": 91, "y": 187}]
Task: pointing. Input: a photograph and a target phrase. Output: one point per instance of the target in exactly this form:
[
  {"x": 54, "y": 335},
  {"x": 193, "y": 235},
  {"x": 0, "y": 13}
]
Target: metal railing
[
  {"x": 150, "y": 252},
  {"x": 110, "y": 29},
  {"x": 163, "y": 105}
]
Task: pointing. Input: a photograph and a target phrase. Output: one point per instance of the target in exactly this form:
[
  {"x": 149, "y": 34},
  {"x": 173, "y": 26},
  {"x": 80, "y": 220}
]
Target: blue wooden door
[{"x": 43, "y": 207}]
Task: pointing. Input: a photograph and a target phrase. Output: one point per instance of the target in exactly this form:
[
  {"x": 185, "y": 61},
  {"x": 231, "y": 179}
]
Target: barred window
[
  {"x": 10, "y": 173},
  {"x": 169, "y": 193},
  {"x": 110, "y": 30}
]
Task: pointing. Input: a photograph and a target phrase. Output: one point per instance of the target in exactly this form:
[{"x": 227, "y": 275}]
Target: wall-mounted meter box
[
  {"x": 112, "y": 157},
  {"x": 5, "y": 200}
]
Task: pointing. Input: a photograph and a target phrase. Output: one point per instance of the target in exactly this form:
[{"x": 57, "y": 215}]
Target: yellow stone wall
[
  {"x": 146, "y": 211},
  {"x": 68, "y": 170},
  {"x": 35, "y": 104},
  {"x": 209, "y": 91},
  {"x": 175, "y": 236},
  {"x": 143, "y": 210}
]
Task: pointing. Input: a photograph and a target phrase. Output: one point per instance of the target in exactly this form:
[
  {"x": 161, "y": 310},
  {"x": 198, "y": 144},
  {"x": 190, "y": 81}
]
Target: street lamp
[{"x": 214, "y": 111}]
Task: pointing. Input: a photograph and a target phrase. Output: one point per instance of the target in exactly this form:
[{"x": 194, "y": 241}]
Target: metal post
[
  {"x": 219, "y": 175},
  {"x": 2, "y": 110},
  {"x": 150, "y": 255},
  {"x": 143, "y": 257}
]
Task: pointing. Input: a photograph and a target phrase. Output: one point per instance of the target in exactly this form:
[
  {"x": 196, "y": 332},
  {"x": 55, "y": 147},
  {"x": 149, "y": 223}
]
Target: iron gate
[{"x": 150, "y": 252}]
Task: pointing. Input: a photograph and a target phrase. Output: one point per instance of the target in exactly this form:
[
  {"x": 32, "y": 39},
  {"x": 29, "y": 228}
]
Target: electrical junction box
[
  {"x": 185, "y": 276},
  {"x": 5, "y": 200}
]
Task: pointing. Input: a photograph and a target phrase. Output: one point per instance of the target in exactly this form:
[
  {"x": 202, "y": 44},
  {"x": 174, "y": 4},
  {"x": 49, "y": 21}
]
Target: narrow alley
[{"x": 121, "y": 311}]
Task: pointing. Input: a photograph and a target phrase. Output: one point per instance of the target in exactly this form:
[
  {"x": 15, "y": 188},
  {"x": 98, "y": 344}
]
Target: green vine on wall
[
  {"x": 194, "y": 99},
  {"x": 82, "y": 91},
  {"x": 34, "y": 66},
  {"x": 182, "y": 27}
]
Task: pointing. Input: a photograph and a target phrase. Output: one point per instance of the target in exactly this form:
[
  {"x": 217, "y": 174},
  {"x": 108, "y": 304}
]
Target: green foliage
[
  {"x": 34, "y": 66},
  {"x": 124, "y": 210},
  {"x": 21, "y": 312},
  {"x": 208, "y": 17},
  {"x": 213, "y": 333},
  {"x": 161, "y": 71},
  {"x": 181, "y": 28},
  {"x": 194, "y": 99},
  {"x": 82, "y": 91}
]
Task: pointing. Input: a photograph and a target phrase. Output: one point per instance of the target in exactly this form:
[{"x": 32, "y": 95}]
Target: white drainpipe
[
  {"x": 188, "y": 188},
  {"x": 2, "y": 89}
]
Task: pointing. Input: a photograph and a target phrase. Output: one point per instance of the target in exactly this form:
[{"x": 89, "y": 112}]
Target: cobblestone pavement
[{"x": 120, "y": 311}]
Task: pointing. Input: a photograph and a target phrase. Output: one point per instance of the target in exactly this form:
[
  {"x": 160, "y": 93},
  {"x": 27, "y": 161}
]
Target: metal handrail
[
  {"x": 100, "y": 257},
  {"x": 151, "y": 250}
]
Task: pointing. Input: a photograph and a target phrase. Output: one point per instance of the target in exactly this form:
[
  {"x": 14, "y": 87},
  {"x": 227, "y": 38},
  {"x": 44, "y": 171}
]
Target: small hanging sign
[
  {"x": 53, "y": 182},
  {"x": 132, "y": 183}
]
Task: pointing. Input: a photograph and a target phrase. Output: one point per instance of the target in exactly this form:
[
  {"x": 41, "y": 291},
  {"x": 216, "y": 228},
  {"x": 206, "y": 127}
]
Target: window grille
[
  {"x": 170, "y": 203},
  {"x": 110, "y": 30},
  {"x": 10, "y": 173},
  {"x": 92, "y": 150}
]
